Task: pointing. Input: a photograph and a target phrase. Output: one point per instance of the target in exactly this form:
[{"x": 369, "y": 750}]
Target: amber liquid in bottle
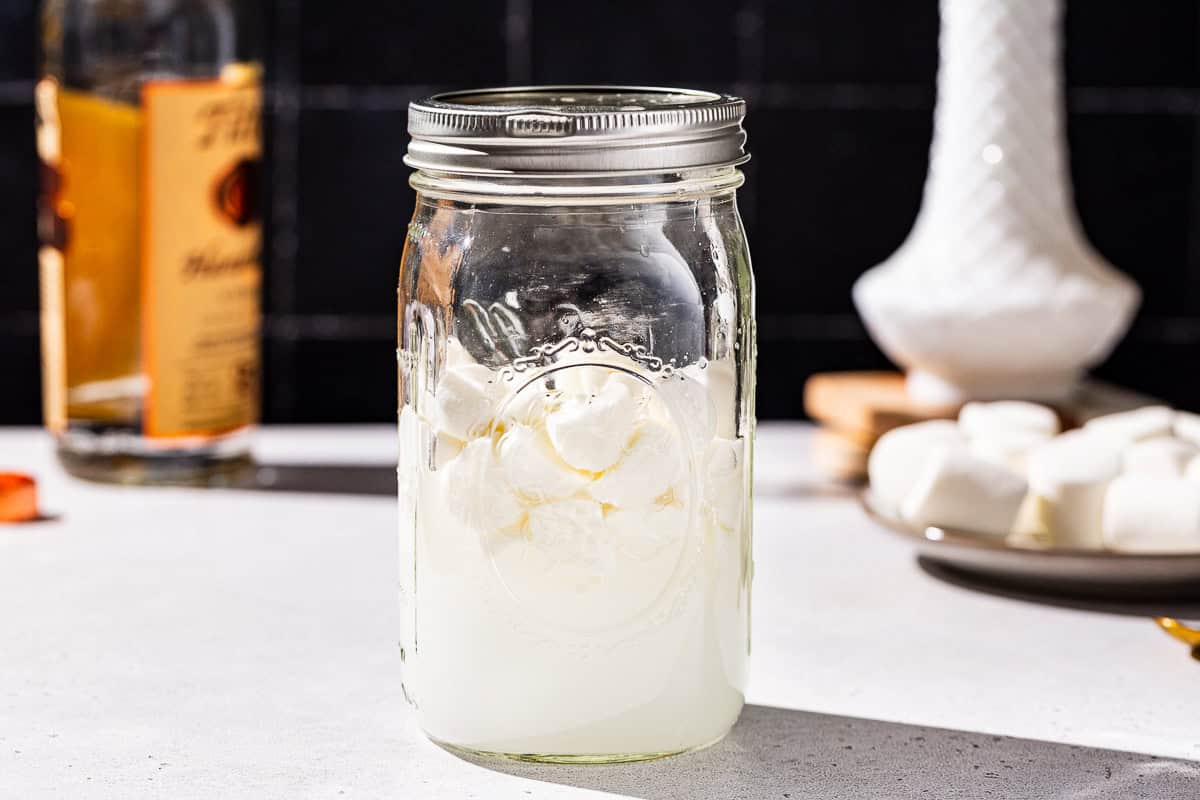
[{"x": 149, "y": 136}]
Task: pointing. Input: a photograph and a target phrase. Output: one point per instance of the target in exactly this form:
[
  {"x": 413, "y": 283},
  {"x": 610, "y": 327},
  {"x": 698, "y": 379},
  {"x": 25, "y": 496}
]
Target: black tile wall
[
  {"x": 398, "y": 43},
  {"x": 841, "y": 94},
  {"x": 670, "y": 42},
  {"x": 846, "y": 200},
  {"x": 1122, "y": 44},
  {"x": 1135, "y": 199},
  {"x": 850, "y": 42},
  {"x": 348, "y": 380},
  {"x": 17, "y": 40},
  {"x": 18, "y": 226},
  {"x": 22, "y": 396},
  {"x": 353, "y": 210}
]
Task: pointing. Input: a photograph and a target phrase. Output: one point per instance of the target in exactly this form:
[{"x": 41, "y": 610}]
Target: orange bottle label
[{"x": 200, "y": 276}]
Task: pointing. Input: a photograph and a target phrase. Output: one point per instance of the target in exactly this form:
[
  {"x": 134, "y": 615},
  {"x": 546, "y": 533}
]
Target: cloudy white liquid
[{"x": 574, "y": 557}]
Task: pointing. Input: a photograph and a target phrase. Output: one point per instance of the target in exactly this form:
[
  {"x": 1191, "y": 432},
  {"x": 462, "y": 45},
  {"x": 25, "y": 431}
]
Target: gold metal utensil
[{"x": 1189, "y": 636}]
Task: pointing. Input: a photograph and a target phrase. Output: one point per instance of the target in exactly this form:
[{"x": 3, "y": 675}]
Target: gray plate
[{"x": 1086, "y": 573}]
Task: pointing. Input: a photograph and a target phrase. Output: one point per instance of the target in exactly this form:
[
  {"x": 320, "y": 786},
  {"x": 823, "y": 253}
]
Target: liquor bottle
[{"x": 149, "y": 135}]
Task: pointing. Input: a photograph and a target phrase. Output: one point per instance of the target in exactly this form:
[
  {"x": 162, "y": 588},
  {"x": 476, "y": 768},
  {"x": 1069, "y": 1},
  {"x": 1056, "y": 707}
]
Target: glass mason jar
[
  {"x": 576, "y": 353},
  {"x": 149, "y": 135}
]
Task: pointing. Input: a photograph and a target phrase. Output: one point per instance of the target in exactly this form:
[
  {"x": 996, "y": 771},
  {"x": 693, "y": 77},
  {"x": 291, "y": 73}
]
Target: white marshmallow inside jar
[{"x": 592, "y": 498}]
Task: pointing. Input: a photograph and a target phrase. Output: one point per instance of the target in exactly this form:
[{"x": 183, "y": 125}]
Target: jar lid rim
[{"x": 566, "y": 129}]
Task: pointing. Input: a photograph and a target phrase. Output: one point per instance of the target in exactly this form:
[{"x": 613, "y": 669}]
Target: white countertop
[{"x": 191, "y": 643}]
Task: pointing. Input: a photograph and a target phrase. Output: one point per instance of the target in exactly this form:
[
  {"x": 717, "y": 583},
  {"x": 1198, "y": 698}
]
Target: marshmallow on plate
[
  {"x": 1071, "y": 473},
  {"x": 533, "y": 469},
  {"x": 1144, "y": 514},
  {"x": 591, "y": 431},
  {"x": 1187, "y": 427},
  {"x": 1006, "y": 416},
  {"x": 1127, "y": 427},
  {"x": 1162, "y": 456},
  {"x": 1192, "y": 470},
  {"x": 898, "y": 456},
  {"x": 646, "y": 470},
  {"x": 1032, "y": 525},
  {"x": 1008, "y": 448},
  {"x": 957, "y": 490}
]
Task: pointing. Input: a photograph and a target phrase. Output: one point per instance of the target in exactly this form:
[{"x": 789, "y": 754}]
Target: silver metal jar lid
[{"x": 575, "y": 131}]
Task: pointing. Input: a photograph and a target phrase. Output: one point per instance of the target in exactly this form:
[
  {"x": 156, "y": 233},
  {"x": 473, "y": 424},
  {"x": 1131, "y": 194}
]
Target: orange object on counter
[{"x": 18, "y": 497}]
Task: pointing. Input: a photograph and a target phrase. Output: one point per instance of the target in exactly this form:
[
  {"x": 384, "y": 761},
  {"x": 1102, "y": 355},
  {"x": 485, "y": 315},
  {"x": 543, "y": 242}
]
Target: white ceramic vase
[{"x": 996, "y": 292}]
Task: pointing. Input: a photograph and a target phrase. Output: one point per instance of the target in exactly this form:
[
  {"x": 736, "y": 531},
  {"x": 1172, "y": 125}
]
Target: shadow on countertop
[
  {"x": 782, "y": 753},
  {"x": 1187, "y": 608},
  {"x": 373, "y": 480}
]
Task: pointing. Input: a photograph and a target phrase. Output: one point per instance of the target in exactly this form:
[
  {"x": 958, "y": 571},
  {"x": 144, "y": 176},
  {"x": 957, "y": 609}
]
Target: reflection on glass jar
[{"x": 576, "y": 422}]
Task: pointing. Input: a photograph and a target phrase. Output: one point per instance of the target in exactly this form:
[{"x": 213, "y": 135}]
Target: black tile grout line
[
  {"x": 329, "y": 327},
  {"x": 751, "y": 35},
  {"x": 800, "y": 327},
  {"x": 779, "y": 96},
  {"x": 18, "y": 323},
  {"x": 775, "y": 96},
  {"x": 16, "y": 93},
  {"x": 751, "y": 44},
  {"x": 1133, "y": 100},
  {"x": 338, "y": 97},
  {"x": 518, "y": 42},
  {"x": 285, "y": 215}
]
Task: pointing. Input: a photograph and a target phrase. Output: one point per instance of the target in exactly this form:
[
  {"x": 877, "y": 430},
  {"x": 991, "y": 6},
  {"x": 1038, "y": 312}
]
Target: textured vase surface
[{"x": 996, "y": 292}]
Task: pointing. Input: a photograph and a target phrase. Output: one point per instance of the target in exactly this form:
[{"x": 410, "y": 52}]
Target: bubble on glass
[{"x": 569, "y": 319}]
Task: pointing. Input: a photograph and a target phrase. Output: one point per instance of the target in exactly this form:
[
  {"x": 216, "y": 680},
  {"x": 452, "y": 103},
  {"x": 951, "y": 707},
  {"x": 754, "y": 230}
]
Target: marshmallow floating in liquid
[
  {"x": 533, "y": 469},
  {"x": 724, "y": 476},
  {"x": 643, "y": 534},
  {"x": 645, "y": 471},
  {"x": 477, "y": 492},
  {"x": 465, "y": 401},
  {"x": 590, "y": 431}
]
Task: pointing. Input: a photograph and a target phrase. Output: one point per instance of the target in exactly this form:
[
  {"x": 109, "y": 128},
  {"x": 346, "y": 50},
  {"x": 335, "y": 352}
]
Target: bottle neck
[{"x": 111, "y": 48}]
